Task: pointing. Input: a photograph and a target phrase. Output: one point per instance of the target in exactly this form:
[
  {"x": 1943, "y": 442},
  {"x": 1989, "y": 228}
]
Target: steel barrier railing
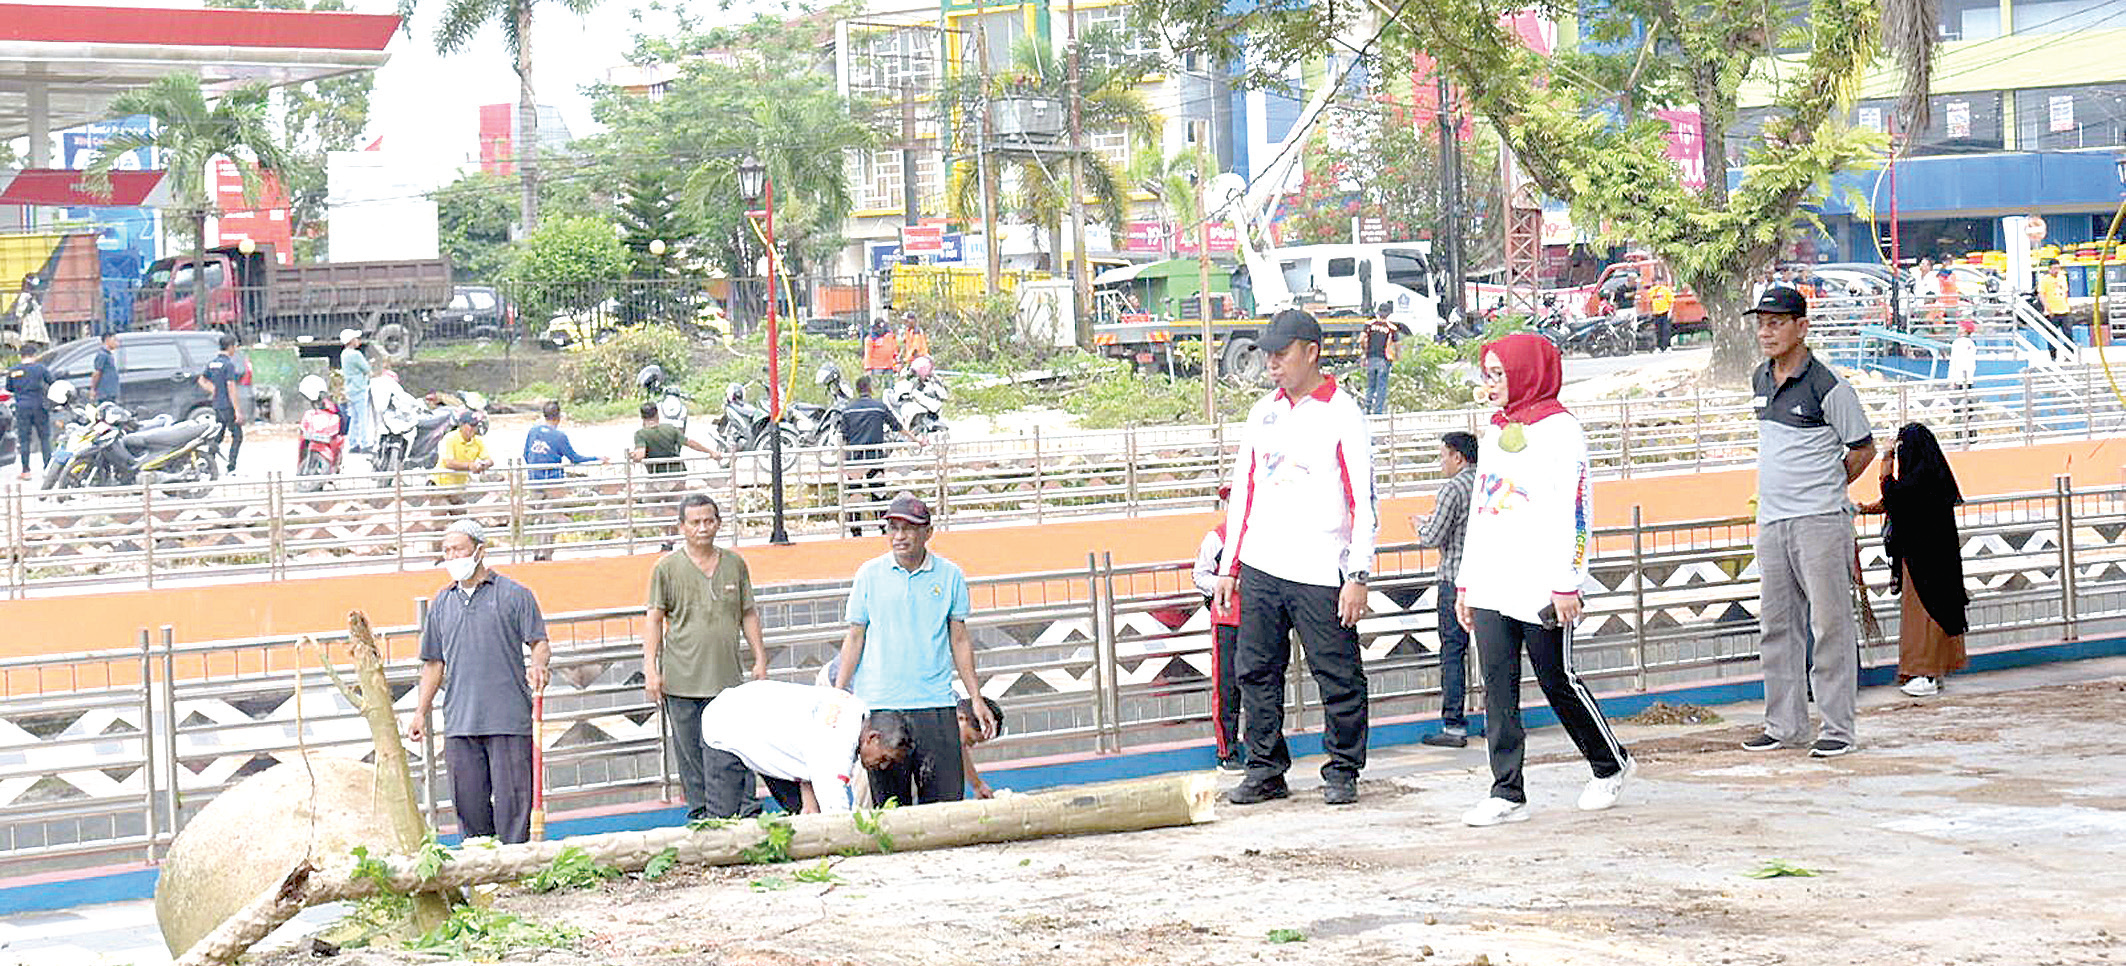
[
  {"x": 105, "y": 754},
  {"x": 282, "y": 526}
]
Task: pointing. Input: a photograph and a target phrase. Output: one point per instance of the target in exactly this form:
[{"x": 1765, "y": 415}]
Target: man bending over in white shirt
[{"x": 805, "y": 741}]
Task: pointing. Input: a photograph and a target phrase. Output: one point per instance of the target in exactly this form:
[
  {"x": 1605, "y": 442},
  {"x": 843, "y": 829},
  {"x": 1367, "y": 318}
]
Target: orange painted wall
[{"x": 99, "y": 621}]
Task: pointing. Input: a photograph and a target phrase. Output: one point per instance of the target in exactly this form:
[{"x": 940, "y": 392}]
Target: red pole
[{"x": 774, "y": 338}]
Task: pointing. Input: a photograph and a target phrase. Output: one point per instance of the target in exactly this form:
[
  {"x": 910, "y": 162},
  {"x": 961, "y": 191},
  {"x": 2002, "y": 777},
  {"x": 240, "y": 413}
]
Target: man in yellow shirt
[
  {"x": 2052, "y": 297},
  {"x": 1661, "y": 300},
  {"x": 462, "y": 452}
]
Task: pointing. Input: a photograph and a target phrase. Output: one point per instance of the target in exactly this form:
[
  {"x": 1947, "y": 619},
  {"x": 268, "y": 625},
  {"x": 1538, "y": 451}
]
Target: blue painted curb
[{"x": 139, "y": 883}]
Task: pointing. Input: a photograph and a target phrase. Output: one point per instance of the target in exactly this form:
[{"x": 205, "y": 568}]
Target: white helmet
[
  {"x": 59, "y": 392},
  {"x": 312, "y": 387}
]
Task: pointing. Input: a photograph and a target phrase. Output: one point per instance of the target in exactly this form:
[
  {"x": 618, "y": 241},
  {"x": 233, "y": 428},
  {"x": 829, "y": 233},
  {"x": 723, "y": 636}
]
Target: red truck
[{"x": 252, "y": 295}]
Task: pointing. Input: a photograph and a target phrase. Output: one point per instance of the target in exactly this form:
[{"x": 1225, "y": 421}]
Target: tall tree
[
  {"x": 312, "y": 119},
  {"x": 1572, "y": 121},
  {"x": 462, "y": 21},
  {"x": 191, "y": 132},
  {"x": 749, "y": 90},
  {"x": 651, "y": 210},
  {"x": 1038, "y": 189},
  {"x": 472, "y": 219},
  {"x": 1175, "y": 180}
]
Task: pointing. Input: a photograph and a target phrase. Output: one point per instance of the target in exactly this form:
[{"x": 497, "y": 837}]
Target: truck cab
[
  {"x": 1352, "y": 279},
  {"x": 167, "y": 294}
]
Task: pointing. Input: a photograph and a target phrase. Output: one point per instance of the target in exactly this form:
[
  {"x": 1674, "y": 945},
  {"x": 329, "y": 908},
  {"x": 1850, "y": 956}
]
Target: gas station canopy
[{"x": 60, "y": 65}]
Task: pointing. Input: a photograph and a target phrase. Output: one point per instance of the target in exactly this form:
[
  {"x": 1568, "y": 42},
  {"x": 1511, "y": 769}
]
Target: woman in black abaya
[{"x": 1920, "y": 496}]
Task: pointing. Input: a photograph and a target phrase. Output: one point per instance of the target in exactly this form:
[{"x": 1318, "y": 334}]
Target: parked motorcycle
[
  {"x": 321, "y": 436},
  {"x": 73, "y": 432},
  {"x": 412, "y": 431},
  {"x": 114, "y": 449},
  {"x": 1552, "y": 324},
  {"x": 822, "y": 425},
  {"x": 741, "y": 422},
  {"x": 1459, "y": 329},
  {"x": 918, "y": 398},
  {"x": 671, "y": 400},
  {"x": 1603, "y": 335}
]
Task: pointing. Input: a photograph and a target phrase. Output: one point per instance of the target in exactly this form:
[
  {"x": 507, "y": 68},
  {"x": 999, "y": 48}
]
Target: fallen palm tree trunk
[{"x": 1114, "y": 807}]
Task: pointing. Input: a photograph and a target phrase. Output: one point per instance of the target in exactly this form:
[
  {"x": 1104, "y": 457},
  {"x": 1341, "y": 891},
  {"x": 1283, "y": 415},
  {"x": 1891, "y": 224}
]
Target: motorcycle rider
[
  {"x": 28, "y": 381},
  {"x": 219, "y": 383}
]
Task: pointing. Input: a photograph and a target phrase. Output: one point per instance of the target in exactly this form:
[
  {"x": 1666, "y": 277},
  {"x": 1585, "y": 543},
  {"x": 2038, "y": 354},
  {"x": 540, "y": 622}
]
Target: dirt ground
[{"x": 1971, "y": 829}]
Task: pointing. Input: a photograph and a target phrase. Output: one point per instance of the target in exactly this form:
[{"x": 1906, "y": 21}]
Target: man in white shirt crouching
[{"x": 809, "y": 743}]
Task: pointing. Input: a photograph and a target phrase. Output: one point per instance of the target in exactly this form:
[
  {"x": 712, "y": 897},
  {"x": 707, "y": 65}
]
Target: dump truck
[
  {"x": 254, "y": 296},
  {"x": 64, "y": 274}
]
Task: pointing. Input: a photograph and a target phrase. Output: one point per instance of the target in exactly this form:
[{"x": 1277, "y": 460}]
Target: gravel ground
[{"x": 1971, "y": 829}]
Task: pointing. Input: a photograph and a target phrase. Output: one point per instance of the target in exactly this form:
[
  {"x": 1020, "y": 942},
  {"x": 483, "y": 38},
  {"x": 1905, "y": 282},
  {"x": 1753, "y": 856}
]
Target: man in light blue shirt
[
  {"x": 907, "y": 638},
  {"x": 354, "y": 372}
]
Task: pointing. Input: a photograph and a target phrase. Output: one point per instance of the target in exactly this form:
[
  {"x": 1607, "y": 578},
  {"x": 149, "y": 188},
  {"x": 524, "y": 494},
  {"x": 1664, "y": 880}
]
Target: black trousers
[
  {"x": 787, "y": 793},
  {"x": 1664, "y": 331},
  {"x": 33, "y": 426},
  {"x": 490, "y": 785},
  {"x": 716, "y": 783},
  {"x": 1453, "y": 661},
  {"x": 931, "y": 772},
  {"x": 1499, "y": 640},
  {"x": 1225, "y": 689},
  {"x": 231, "y": 429},
  {"x": 1270, "y": 609}
]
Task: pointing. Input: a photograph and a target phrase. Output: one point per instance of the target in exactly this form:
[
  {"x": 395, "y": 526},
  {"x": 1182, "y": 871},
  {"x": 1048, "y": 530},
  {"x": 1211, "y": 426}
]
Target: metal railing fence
[
  {"x": 286, "y": 526},
  {"x": 104, "y": 755}
]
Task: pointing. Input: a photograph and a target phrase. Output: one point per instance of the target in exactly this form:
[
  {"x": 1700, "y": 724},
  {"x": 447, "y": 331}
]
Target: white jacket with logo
[
  {"x": 1303, "y": 503},
  {"x": 1530, "y": 520}
]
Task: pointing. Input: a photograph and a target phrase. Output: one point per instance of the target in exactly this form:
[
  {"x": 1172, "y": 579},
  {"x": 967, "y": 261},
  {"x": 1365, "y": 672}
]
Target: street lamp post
[{"x": 755, "y": 185}]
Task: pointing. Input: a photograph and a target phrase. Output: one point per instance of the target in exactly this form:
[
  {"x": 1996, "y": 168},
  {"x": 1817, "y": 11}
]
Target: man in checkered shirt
[{"x": 1444, "y": 531}]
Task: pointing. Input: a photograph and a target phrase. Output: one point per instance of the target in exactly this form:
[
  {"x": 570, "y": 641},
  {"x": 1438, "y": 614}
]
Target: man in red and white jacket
[
  {"x": 1303, "y": 521},
  {"x": 1225, "y": 639}
]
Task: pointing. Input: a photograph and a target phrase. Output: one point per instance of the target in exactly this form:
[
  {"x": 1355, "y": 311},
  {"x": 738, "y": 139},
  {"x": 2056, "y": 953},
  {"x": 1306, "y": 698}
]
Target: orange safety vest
[
  {"x": 881, "y": 352},
  {"x": 914, "y": 343}
]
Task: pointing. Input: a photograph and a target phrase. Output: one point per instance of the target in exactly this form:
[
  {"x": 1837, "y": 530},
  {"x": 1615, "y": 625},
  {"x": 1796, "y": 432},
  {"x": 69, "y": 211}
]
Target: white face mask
[{"x": 461, "y": 568}]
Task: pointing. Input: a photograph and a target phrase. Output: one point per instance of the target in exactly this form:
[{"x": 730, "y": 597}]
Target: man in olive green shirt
[
  {"x": 701, "y": 600},
  {"x": 658, "y": 446}
]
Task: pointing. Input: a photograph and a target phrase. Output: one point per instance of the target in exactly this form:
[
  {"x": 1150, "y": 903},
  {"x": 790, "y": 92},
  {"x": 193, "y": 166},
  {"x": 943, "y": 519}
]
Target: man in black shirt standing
[
  {"x": 219, "y": 382},
  {"x": 864, "y": 422},
  {"x": 103, "y": 388},
  {"x": 28, "y": 380}
]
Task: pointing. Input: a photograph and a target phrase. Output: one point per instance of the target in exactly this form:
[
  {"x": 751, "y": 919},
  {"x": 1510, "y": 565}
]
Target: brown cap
[{"x": 909, "y": 508}]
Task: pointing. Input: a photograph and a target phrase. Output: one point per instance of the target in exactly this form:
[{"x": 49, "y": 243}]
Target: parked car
[
  {"x": 474, "y": 312},
  {"x": 158, "y": 372}
]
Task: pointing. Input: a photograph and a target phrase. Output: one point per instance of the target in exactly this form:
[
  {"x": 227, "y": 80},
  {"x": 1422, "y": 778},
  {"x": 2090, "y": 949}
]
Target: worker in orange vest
[
  {"x": 881, "y": 351},
  {"x": 914, "y": 342}
]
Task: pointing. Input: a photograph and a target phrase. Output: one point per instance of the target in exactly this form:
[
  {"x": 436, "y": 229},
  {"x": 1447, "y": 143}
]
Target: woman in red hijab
[{"x": 1523, "y": 563}]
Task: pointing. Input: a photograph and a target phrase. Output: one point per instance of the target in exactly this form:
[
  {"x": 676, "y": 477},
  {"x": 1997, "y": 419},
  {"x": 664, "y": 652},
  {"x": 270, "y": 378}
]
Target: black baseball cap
[
  {"x": 1287, "y": 327},
  {"x": 909, "y": 508},
  {"x": 1780, "y": 300}
]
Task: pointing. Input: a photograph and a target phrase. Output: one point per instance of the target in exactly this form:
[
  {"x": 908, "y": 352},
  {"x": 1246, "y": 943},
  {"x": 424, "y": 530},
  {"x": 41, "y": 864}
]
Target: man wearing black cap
[
  {"x": 1303, "y": 524},
  {"x": 907, "y": 638},
  {"x": 1813, "y": 439}
]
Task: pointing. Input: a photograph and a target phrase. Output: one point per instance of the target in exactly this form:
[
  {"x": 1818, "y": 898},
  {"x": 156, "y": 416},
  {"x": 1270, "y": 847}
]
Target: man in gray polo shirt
[
  {"x": 1813, "y": 439},
  {"x": 478, "y": 628}
]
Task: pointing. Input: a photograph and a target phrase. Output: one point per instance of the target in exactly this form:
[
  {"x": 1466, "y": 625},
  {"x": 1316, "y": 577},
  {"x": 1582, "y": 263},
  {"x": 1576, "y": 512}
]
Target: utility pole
[
  {"x": 908, "y": 200},
  {"x": 1081, "y": 277},
  {"x": 1203, "y": 291},
  {"x": 993, "y": 255},
  {"x": 1449, "y": 248}
]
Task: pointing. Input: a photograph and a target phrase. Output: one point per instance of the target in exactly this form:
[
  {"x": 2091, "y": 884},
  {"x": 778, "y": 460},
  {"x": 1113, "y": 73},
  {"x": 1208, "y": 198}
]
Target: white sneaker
[
  {"x": 1602, "y": 793},
  {"x": 1495, "y": 811},
  {"x": 1921, "y": 687}
]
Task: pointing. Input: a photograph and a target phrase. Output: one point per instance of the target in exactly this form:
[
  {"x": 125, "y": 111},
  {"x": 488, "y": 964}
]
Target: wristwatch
[{"x": 1359, "y": 576}]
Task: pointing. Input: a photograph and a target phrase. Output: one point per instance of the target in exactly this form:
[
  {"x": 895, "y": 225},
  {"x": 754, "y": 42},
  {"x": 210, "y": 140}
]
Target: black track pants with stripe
[{"x": 1499, "y": 643}]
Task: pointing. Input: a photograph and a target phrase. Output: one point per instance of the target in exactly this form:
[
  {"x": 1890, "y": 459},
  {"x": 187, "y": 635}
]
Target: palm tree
[
  {"x": 1110, "y": 101},
  {"x": 1174, "y": 180},
  {"x": 191, "y": 133},
  {"x": 462, "y": 20}
]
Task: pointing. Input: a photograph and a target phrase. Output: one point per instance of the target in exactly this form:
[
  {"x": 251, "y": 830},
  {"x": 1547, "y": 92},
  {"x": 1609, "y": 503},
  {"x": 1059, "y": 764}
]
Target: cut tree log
[
  {"x": 1126, "y": 806},
  {"x": 393, "y": 775}
]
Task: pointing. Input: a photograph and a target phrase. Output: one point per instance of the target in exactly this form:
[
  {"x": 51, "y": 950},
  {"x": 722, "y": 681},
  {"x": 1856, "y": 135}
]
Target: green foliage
[
  {"x": 708, "y": 822},
  {"x": 867, "y": 823},
  {"x": 774, "y": 845},
  {"x": 191, "y": 132},
  {"x": 372, "y": 916},
  {"x": 572, "y": 868},
  {"x": 1106, "y": 394},
  {"x": 821, "y": 873},
  {"x": 1779, "y": 869},
  {"x": 567, "y": 264},
  {"x": 660, "y": 864},
  {"x": 606, "y": 371},
  {"x": 473, "y": 218},
  {"x": 486, "y": 935},
  {"x": 650, "y": 211},
  {"x": 769, "y": 883},
  {"x": 1423, "y": 379},
  {"x": 428, "y": 861},
  {"x": 372, "y": 868},
  {"x": 1287, "y": 936}
]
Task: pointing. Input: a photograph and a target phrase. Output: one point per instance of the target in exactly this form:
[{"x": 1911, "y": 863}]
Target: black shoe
[
  {"x": 1829, "y": 748},
  {"x": 1339, "y": 791},
  {"x": 1444, "y": 740},
  {"x": 1233, "y": 763},
  {"x": 1763, "y": 743},
  {"x": 1252, "y": 792}
]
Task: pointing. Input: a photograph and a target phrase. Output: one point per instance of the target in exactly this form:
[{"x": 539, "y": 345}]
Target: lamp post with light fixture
[{"x": 755, "y": 185}]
